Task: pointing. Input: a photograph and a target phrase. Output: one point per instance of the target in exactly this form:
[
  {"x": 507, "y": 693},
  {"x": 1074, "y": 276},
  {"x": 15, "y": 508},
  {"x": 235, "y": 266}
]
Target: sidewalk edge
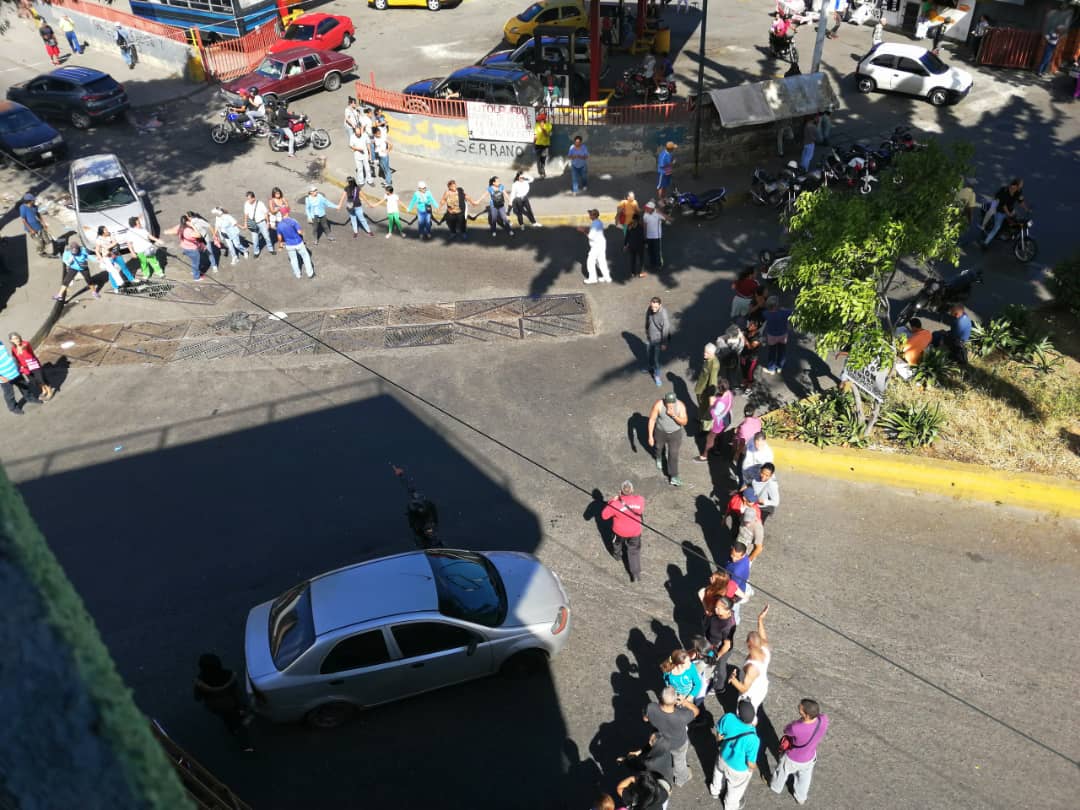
[{"x": 921, "y": 474}]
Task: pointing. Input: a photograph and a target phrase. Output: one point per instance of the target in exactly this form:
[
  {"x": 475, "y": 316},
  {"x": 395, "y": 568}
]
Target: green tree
[{"x": 846, "y": 251}]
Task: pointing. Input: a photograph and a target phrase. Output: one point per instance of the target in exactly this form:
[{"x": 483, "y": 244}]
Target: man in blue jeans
[
  {"x": 423, "y": 202},
  {"x": 291, "y": 237},
  {"x": 1007, "y": 198},
  {"x": 579, "y": 165},
  {"x": 1052, "y": 39},
  {"x": 657, "y": 334}
]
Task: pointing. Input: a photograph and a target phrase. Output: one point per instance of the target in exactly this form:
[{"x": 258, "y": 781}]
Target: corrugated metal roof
[{"x": 766, "y": 102}]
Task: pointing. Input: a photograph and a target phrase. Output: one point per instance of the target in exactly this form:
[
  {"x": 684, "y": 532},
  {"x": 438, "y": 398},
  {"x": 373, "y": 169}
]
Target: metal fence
[
  {"x": 592, "y": 114},
  {"x": 1016, "y": 48},
  {"x": 234, "y": 57},
  {"x": 128, "y": 21}
]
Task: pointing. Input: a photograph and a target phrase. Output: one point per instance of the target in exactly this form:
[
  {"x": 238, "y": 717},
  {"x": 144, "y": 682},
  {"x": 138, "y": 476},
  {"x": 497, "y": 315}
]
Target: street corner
[{"x": 924, "y": 474}]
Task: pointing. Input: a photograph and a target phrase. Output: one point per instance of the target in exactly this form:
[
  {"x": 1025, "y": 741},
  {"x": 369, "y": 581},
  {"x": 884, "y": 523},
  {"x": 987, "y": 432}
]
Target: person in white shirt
[
  {"x": 519, "y": 199},
  {"x": 767, "y": 489},
  {"x": 653, "y": 221},
  {"x": 368, "y": 125},
  {"x": 256, "y": 108},
  {"x": 257, "y": 222},
  {"x": 360, "y": 144},
  {"x": 352, "y": 117},
  {"x": 758, "y": 453},
  {"x": 382, "y": 149},
  {"x": 227, "y": 233},
  {"x": 597, "y": 258},
  {"x": 142, "y": 243}
]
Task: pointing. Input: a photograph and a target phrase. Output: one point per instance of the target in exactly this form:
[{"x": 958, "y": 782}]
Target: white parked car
[
  {"x": 103, "y": 192},
  {"x": 385, "y": 629},
  {"x": 914, "y": 71}
]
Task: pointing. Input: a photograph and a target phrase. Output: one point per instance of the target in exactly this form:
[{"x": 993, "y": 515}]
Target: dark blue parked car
[
  {"x": 26, "y": 138},
  {"x": 499, "y": 84},
  {"x": 82, "y": 96}
]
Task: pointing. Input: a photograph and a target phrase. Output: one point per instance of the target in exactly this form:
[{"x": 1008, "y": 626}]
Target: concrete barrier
[{"x": 174, "y": 57}]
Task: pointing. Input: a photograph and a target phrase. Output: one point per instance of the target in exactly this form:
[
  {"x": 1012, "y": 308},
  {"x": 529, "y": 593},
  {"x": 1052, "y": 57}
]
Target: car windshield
[
  {"x": 530, "y": 91},
  {"x": 17, "y": 121},
  {"x": 292, "y": 627},
  {"x": 523, "y": 51},
  {"x": 270, "y": 68},
  {"x": 101, "y": 194},
  {"x": 530, "y": 12},
  {"x": 303, "y": 32},
  {"x": 468, "y": 586},
  {"x": 933, "y": 64}
]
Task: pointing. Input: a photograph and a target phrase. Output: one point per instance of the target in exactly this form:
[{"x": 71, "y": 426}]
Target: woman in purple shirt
[{"x": 799, "y": 746}]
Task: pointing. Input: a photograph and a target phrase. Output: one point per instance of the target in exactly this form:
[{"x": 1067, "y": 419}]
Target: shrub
[
  {"x": 828, "y": 418},
  {"x": 935, "y": 368},
  {"x": 1064, "y": 283},
  {"x": 913, "y": 425},
  {"x": 998, "y": 335}
]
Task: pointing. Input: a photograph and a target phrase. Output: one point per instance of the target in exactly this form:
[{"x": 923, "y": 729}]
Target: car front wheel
[
  {"x": 866, "y": 84},
  {"x": 330, "y": 715},
  {"x": 80, "y": 120},
  {"x": 434, "y": 5},
  {"x": 380, "y": 5},
  {"x": 332, "y": 81},
  {"x": 346, "y": 41},
  {"x": 938, "y": 97}
]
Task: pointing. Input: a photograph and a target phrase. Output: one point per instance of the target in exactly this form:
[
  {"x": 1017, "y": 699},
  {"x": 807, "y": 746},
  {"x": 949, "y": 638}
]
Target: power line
[{"x": 408, "y": 392}]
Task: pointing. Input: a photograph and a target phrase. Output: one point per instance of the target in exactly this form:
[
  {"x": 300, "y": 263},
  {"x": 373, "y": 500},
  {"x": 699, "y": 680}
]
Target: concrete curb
[
  {"x": 921, "y": 474},
  {"x": 577, "y": 219}
]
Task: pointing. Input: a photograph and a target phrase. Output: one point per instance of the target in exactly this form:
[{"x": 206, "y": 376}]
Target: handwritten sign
[{"x": 500, "y": 122}]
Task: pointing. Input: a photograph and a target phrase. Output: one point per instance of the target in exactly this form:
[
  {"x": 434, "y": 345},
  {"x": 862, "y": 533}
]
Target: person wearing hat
[
  {"x": 33, "y": 225},
  {"x": 737, "y": 759},
  {"x": 541, "y": 142},
  {"x": 665, "y": 165},
  {"x": 653, "y": 221},
  {"x": 597, "y": 258},
  {"x": 315, "y": 205},
  {"x": 625, "y": 511},
  {"x": 667, "y": 419},
  {"x": 424, "y": 203}
]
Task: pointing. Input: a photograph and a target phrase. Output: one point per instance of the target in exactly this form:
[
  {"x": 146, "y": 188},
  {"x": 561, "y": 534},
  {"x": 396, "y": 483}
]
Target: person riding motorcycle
[
  {"x": 1003, "y": 206},
  {"x": 256, "y": 106},
  {"x": 281, "y": 120}
]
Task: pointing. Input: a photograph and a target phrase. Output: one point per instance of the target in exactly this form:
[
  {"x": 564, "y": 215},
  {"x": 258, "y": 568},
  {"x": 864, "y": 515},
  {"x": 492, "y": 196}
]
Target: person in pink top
[
  {"x": 798, "y": 749},
  {"x": 625, "y": 511},
  {"x": 720, "y": 410},
  {"x": 748, "y": 428}
]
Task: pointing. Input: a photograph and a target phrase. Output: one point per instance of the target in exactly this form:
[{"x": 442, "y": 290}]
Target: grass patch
[{"x": 1016, "y": 407}]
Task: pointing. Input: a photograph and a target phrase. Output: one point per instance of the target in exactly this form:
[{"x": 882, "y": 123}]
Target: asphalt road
[{"x": 177, "y": 497}]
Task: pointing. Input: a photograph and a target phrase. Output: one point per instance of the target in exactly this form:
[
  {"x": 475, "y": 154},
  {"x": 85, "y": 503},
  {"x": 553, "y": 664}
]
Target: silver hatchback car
[
  {"x": 397, "y": 626},
  {"x": 103, "y": 192}
]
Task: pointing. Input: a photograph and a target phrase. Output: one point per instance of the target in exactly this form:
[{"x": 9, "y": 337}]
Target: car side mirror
[
  {"x": 141, "y": 192},
  {"x": 471, "y": 648}
]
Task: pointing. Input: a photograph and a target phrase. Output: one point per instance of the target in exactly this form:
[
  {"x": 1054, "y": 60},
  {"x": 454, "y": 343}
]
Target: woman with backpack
[{"x": 497, "y": 206}]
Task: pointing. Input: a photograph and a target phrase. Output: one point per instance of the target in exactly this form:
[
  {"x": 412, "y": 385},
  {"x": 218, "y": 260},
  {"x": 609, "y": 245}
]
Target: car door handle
[
  {"x": 337, "y": 682},
  {"x": 417, "y": 665}
]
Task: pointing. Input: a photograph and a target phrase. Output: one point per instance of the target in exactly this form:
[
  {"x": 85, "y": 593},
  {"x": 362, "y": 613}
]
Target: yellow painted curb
[{"x": 936, "y": 476}]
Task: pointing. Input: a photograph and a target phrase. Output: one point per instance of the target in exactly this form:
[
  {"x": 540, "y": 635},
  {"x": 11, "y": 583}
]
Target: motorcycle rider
[
  {"x": 256, "y": 108},
  {"x": 781, "y": 34},
  {"x": 281, "y": 121},
  {"x": 1005, "y": 202}
]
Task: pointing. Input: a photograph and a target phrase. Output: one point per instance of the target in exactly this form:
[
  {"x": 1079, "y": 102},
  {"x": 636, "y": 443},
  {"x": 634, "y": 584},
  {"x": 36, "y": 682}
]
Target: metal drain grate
[{"x": 399, "y": 337}]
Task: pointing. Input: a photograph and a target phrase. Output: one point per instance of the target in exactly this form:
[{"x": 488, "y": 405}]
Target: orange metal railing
[
  {"x": 234, "y": 57},
  {"x": 570, "y": 116},
  {"x": 1016, "y": 48}
]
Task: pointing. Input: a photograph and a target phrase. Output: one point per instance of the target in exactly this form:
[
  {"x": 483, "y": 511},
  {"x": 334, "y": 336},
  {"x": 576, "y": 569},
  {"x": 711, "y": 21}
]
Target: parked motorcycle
[
  {"x": 708, "y": 204},
  {"x": 938, "y": 294},
  {"x": 303, "y": 134},
  {"x": 637, "y": 82},
  {"x": 765, "y": 189},
  {"x": 773, "y": 263},
  {"x": 237, "y": 125},
  {"x": 1018, "y": 229}
]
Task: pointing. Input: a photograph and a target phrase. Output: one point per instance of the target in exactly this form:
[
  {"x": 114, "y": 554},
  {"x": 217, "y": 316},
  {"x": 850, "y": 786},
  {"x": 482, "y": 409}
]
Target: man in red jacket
[{"x": 626, "y": 510}]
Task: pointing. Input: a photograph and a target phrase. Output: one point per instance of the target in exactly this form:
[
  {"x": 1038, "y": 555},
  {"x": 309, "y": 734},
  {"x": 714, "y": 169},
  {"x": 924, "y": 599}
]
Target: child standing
[{"x": 393, "y": 211}]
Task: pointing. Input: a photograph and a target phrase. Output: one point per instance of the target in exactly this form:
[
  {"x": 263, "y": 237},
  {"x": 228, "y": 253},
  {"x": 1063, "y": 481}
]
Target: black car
[
  {"x": 80, "y": 95},
  {"x": 25, "y": 137},
  {"x": 500, "y": 84}
]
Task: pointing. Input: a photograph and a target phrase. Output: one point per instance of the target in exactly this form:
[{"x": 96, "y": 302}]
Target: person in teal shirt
[
  {"x": 682, "y": 676},
  {"x": 739, "y": 746},
  {"x": 424, "y": 203}
]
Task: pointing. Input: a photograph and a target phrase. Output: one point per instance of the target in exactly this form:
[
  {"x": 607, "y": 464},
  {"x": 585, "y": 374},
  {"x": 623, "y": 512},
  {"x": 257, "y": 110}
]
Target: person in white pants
[
  {"x": 596, "y": 261},
  {"x": 360, "y": 144}
]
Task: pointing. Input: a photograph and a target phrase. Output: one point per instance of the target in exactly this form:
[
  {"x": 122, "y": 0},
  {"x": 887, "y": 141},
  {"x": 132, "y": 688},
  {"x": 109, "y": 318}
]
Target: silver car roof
[
  {"x": 388, "y": 586},
  {"x": 95, "y": 168}
]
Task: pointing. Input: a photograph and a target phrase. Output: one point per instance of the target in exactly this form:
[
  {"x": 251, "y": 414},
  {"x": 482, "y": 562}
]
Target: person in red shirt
[
  {"x": 30, "y": 366},
  {"x": 744, "y": 287},
  {"x": 625, "y": 511}
]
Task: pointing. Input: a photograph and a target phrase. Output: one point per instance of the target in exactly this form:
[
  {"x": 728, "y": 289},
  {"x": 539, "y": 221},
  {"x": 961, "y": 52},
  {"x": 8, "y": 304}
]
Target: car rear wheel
[
  {"x": 332, "y": 81},
  {"x": 380, "y": 5},
  {"x": 330, "y": 715},
  {"x": 938, "y": 97},
  {"x": 346, "y": 41},
  {"x": 80, "y": 120},
  {"x": 434, "y": 5},
  {"x": 523, "y": 664},
  {"x": 866, "y": 84}
]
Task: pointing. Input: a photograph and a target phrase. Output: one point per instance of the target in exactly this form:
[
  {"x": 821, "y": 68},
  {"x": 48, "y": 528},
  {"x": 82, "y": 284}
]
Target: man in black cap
[{"x": 667, "y": 419}]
